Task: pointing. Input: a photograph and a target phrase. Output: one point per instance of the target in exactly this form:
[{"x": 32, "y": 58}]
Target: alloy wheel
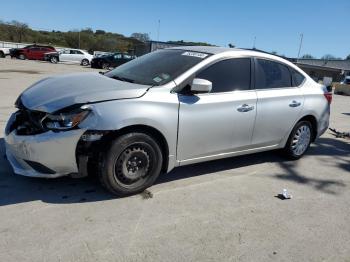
[{"x": 301, "y": 140}]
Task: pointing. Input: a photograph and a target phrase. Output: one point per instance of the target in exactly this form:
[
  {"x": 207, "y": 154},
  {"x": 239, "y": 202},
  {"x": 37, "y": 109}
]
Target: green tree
[
  {"x": 348, "y": 57},
  {"x": 307, "y": 56},
  {"x": 328, "y": 57},
  {"x": 20, "y": 29},
  {"x": 100, "y": 32},
  {"x": 143, "y": 37}
]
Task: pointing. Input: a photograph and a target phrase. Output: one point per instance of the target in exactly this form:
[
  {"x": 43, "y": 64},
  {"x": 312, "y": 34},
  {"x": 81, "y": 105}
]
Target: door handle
[
  {"x": 294, "y": 104},
  {"x": 245, "y": 108}
]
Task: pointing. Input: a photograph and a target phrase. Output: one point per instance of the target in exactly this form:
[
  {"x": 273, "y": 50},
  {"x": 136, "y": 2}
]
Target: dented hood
[{"x": 54, "y": 93}]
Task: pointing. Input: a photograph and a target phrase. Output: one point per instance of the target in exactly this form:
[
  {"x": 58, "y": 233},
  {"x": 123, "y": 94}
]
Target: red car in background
[{"x": 33, "y": 52}]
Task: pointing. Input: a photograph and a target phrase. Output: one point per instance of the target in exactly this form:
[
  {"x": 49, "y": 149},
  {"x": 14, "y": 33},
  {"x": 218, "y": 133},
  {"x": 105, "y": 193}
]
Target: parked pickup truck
[{"x": 4, "y": 52}]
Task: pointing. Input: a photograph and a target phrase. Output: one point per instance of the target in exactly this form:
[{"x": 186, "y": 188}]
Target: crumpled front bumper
[{"x": 50, "y": 154}]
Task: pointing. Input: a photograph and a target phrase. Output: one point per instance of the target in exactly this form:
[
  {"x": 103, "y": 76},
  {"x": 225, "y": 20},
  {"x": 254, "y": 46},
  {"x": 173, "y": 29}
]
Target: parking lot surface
[{"x": 224, "y": 210}]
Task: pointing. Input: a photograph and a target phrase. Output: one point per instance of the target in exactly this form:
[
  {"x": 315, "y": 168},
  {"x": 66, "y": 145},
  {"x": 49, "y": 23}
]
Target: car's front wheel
[
  {"x": 22, "y": 57},
  {"x": 299, "y": 140},
  {"x": 85, "y": 62},
  {"x": 132, "y": 164}
]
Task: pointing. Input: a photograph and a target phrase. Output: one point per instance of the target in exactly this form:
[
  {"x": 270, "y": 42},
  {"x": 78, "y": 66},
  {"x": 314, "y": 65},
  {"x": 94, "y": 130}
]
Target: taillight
[{"x": 329, "y": 97}]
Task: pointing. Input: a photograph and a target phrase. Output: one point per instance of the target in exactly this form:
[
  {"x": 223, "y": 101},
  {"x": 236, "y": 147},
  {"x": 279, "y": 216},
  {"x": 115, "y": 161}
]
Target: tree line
[{"x": 98, "y": 40}]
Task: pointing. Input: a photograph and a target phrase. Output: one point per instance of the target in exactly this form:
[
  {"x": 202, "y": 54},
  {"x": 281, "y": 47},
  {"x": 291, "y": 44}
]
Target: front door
[
  {"x": 221, "y": 121},
  {"x": 64, "y": 55}
]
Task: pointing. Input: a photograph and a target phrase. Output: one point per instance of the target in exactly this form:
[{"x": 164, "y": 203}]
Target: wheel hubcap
[
  {"x": 132, "y": 165},
  {"x": 301, "y": 140}
]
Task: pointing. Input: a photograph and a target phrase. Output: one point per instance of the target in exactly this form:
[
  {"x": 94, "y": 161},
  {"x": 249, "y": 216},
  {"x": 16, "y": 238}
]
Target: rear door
[
  {"x": 42, "y": 52},
  {"x": 279, "y": 103},
  {"x": 78, "y": 56},
  {"x": 221, "y": 121},
  {"x": 32, "y": 52}
]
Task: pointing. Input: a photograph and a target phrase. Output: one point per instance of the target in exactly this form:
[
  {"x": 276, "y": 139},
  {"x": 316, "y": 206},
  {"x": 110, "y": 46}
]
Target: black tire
[
  {"x": 84, "y": 62},
  {"x": 131, "y": 164},
  {"x": 53, "y": 60},
  {"x": 289, "y": 149},
  {"x": 22, "y": 57},
  {"x": 2, "y": 55},
  {"x": 105, "y": 66}
]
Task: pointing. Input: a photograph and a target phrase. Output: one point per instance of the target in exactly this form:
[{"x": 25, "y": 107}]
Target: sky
[{"x": 276, "y": 25}]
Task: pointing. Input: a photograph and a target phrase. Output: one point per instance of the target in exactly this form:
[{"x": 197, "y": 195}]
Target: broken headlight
[{"x": 65, "y": 121}]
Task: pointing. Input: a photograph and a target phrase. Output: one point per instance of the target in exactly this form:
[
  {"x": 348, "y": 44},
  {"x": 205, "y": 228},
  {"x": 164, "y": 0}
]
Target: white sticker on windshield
[
  {"x": 195, "y": 54},
  {"x": 165, "y": 76},
  {"x": 157, "y": 79}
]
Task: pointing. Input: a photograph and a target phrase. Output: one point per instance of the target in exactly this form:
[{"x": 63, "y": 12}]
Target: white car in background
[
  {"x": 70, "y": 55},
  {"x": 346, "y": 81},
  {"x": 4, "y": 52}
]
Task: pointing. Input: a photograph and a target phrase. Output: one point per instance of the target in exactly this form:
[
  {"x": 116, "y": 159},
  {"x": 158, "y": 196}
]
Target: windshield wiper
[{"x": 124, "y": 79}]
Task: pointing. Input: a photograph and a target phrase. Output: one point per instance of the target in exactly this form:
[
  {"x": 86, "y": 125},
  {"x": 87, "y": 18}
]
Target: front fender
[{"x": 157, "y": 111}]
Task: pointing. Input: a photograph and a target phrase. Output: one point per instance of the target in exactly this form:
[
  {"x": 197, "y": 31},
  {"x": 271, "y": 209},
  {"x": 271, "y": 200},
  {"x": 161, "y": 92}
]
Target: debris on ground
[
  {"x": 146, "y": 194},
  {"x": 284, "y": 195},
  {"x": 340, "y": 134}
]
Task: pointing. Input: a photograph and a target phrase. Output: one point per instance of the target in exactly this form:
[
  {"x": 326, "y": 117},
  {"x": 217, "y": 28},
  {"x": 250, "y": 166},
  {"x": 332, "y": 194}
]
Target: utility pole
[
  {"x": 254, "y": 42},
  {"x": 158, "y": 30},
  {"x": 301, "y": 42},
  {"x": 79, "y": 39}
]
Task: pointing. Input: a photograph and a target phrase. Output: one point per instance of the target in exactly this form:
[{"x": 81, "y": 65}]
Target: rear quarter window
[{"x": 297, "y": 78}]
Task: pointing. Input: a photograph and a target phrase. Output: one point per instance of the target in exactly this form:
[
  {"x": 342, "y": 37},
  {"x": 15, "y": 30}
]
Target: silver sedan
[{"x": 169, "y": 108}]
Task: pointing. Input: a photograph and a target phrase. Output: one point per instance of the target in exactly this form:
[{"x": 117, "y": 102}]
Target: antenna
[
  {"x": 254, "y": 42},
  {"x": 158, "y": 30},
  {"x": 301, "y": 42}
]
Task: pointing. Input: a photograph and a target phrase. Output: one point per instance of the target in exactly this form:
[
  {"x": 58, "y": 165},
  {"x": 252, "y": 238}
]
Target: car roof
[
  {"x": 218, "y": 50},
  {"x": 206, "y": 49},
  {"x": 47, "y": 46}
]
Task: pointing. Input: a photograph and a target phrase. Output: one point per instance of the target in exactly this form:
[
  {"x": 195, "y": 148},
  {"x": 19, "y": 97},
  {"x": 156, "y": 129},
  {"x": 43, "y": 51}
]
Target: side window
[
  {"x": 271, "y": 74},
  {"x": 75, "y": 52},
  {"x": 78, "y": 52},
  {"x": 297, "y": 78},
  {"x": 228, "y": 75},
  {"x": 118, "y": 56}
]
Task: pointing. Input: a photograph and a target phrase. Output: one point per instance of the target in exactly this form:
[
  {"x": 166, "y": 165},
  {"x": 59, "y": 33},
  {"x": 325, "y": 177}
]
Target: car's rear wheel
[
  {"x": 53, "y": 60},
  {"x": 105, "y": 66},
  {"x": 132, "y": 164},
  {"x": 85, "y": 62},
  {"x": 22, "y": 57},
  {"x": 299, "y": 140},
  {"x": 2, "y": 55}
]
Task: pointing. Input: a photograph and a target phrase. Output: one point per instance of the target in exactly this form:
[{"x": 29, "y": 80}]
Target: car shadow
[
  {"x": 338, "y": 148},
  {"x": 18, "y": 189}
]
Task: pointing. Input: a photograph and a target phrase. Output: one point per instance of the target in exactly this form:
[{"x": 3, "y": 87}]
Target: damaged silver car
[{"x": 169, "y": 108}]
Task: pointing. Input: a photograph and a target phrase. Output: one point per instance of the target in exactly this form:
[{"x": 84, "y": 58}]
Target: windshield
[{"x": 157, "y": 68}]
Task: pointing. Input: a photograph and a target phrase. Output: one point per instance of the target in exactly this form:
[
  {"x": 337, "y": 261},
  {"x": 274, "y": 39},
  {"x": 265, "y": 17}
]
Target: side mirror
[{"x": 201, "y": 86}]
